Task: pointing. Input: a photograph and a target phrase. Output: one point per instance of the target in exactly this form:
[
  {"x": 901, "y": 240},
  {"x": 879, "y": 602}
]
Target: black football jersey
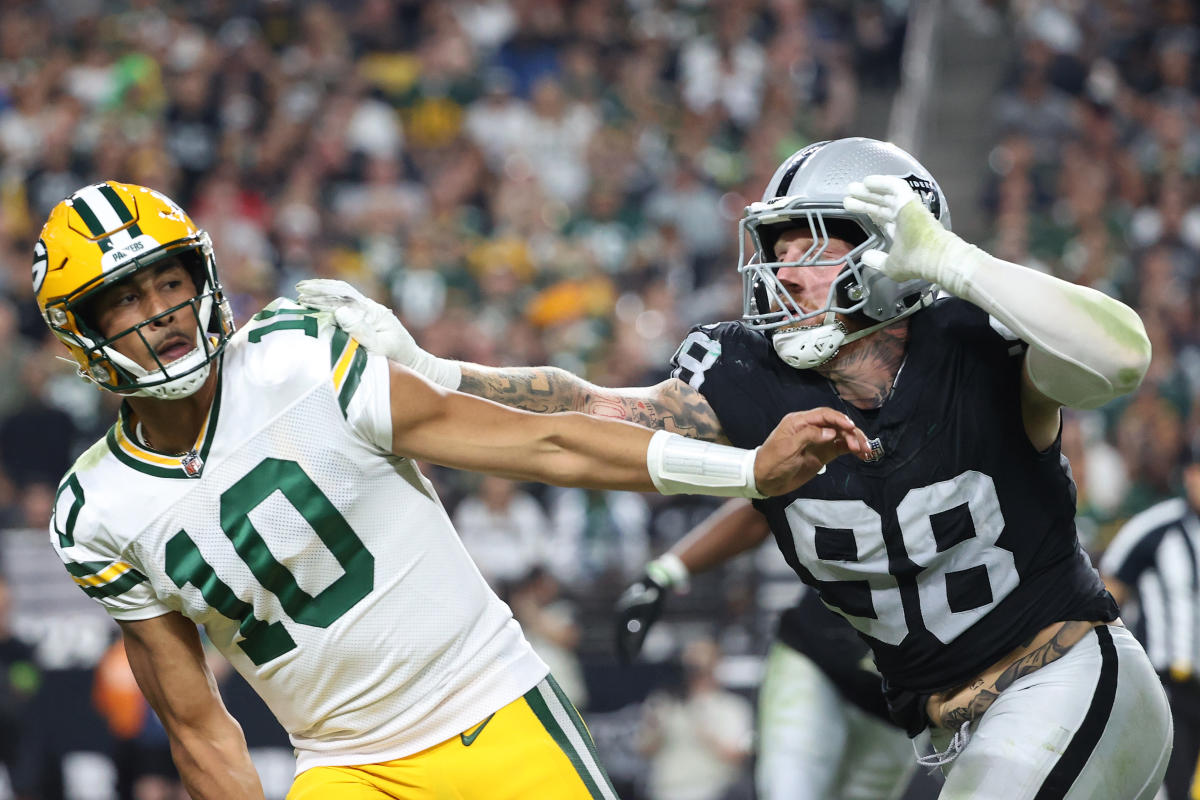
[{"x": 958, "y": 542}]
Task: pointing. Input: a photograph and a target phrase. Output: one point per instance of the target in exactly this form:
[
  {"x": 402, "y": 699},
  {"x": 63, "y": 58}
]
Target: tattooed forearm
[
  {"x": 671, "y": 405},
  {"x": 540, "y": 389}
]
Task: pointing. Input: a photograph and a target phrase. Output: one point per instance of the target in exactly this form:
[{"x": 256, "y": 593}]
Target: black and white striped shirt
[{"x": 1157, "y": 554}]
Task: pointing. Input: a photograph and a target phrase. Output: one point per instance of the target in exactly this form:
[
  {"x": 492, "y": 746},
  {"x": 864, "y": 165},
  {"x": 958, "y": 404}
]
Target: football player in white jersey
[
  {"x": 952, "y": 549},
  {"x": 262, "y": 483}
]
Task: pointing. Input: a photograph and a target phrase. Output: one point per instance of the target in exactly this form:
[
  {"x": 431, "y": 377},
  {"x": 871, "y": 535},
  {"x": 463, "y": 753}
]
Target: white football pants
[
  {"x": 816, "y": 745},
  {"x": 1093, "y": 725}
]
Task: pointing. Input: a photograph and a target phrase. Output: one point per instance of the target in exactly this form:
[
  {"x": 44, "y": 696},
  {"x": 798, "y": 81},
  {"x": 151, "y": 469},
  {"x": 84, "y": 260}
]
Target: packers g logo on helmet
[
  {"x": 39, "y": 265},
  {"x": 106, "y": 233}
]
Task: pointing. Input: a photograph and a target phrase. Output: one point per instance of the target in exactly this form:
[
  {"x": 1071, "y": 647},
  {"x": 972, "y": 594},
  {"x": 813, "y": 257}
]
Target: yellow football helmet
[{"x": 106, "y": 233}]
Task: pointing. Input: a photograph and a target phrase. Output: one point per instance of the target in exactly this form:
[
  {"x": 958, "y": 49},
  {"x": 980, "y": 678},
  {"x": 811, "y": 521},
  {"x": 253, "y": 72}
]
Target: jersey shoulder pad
[
  {"x": 95, "y": 491},
  {"x": 91, "y": 553},
  {"x": 89, "y": 459},
  {"x": 287, "y": 343},
  {"x": 957, "y": 320},
  {"x": 721, "y": 345}
]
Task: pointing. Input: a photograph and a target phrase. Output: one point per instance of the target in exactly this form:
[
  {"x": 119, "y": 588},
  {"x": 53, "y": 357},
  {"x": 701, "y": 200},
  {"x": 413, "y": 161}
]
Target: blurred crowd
[
  {"x": 524, "y": 181},
  {"x": 558, "y": 182},
  {"x": 1095, "y": 177}
]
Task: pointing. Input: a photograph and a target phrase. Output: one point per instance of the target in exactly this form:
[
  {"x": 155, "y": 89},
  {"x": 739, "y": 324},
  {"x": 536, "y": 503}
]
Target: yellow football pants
[{"x": 535, "y": 748}]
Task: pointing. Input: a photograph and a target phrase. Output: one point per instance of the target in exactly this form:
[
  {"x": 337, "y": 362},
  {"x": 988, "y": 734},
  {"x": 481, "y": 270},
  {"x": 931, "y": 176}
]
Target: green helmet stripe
[
  {"x": 119, "y": 206},
  {"x": 93, "y": 223}
]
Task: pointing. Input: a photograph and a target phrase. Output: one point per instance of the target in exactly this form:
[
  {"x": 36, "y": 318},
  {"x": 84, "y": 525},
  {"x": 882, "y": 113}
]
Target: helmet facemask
[
  {"x": 767, "y": 304},
  {"x": 857, "y": 292},
  {"x": 119, "y": 373},
  {"x": 806, "y": 192}
]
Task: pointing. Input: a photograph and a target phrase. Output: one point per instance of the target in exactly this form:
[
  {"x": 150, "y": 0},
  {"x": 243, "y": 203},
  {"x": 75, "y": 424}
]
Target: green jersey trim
[
  {"x": 103, "y": 579},
  {"x": 125, "y": 446},
  {"x": 347, "y": 373}
]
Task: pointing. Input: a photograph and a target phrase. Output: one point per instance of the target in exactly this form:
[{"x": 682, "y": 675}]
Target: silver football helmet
[{"x": 807, "y": 191}]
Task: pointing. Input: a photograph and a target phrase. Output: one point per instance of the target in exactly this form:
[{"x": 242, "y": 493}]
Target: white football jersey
[{"x": 320, "y": 564}]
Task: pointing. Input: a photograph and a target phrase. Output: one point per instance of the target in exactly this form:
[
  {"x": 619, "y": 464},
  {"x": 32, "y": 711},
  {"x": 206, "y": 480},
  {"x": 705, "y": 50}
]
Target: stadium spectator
[
  {"x": 20, "y": 678},
  {"x": 697, "y": 744},
  {"x": 504, "y": 529},
  {"x": 35, "y": 441}
]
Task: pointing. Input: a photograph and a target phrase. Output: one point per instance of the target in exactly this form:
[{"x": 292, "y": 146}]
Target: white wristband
[
  {"x": 670, "y": 571},
  {"x": 679, "y": 465}
]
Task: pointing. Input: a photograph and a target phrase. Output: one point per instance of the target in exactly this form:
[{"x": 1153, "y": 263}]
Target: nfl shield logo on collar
[
  {"x": 876, "y": 449},
  {"x": 192, "y": 463}
]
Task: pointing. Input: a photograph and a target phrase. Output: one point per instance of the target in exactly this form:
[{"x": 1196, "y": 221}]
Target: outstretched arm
[
  {"x": 206, "y": 742},
  {"x": 671, "y": 405},
  {"x": 571, "y": 449}
]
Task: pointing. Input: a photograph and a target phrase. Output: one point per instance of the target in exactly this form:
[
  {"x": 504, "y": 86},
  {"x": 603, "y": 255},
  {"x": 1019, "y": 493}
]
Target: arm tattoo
[
  {"x": 952, "y": 720},
  {"x": 985, "y": 692},
  {"x": 687, "y": 412},
  {"x": 541, "y": 389},
  {"x": 671, "y": 405}
]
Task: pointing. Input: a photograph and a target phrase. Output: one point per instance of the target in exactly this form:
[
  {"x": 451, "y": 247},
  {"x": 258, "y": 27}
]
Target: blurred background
[{"x": 559, "y": 181}]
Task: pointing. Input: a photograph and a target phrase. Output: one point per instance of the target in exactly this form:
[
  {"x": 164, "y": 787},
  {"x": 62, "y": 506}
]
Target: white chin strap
[
  {"x": 805, "y": 348},
  {"x": 192, "y": 367}
]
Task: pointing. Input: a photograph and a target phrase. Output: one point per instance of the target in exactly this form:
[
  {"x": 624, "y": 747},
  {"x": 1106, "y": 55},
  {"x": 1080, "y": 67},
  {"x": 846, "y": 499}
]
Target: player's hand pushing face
[{"x": 801, "y": 444}]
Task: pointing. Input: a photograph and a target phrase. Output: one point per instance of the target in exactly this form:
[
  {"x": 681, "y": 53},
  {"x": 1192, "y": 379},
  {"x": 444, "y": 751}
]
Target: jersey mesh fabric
[{"x": 414, "y": 649}]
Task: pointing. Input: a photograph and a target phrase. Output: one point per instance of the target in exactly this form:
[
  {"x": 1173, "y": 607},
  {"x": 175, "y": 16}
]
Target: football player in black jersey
[
  {"x": 824, "y": 732},
  {"x": 953, "y": 552}
]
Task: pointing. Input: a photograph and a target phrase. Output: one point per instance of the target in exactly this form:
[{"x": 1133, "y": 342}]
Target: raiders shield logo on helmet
[{"x": 927, "y": 192}]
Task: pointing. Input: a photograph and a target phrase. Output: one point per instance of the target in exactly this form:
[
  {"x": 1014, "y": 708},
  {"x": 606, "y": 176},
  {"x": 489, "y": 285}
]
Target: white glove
[
  {"x": 1085, "y": 348},
  {"x": 376, "y": 328},
  {"x": 920, "y": 244}
]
